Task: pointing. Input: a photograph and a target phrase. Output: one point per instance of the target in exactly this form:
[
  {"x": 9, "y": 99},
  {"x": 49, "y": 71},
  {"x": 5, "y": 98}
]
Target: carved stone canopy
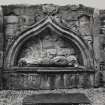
[{"x": 37, "y": 29}]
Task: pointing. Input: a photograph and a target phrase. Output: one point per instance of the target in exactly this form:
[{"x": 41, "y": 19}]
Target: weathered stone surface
[
  {"x": 47, "y": 81},
  {"x": 49, "y": 50},
  {"x": 22, "y": 81},
  {"x": 10, "y": 97},
  {"x": 99, "y": 52},
  {"x": 84, "y": 23},
  {"x": 71, "y": 98},
  {"x": 1, "y": 38}
]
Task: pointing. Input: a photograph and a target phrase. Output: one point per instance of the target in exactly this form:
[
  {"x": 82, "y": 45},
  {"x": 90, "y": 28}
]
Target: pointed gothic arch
[{"x": 37, "y": 29}]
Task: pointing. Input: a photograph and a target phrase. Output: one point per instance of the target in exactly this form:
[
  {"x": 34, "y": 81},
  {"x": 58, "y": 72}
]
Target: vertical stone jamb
[{"x": 1, "y": 46}]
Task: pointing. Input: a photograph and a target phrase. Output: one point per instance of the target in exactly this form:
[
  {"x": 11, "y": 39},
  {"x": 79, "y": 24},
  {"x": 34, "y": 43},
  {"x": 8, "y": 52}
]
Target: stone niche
[{"x": 49, "y": 49}]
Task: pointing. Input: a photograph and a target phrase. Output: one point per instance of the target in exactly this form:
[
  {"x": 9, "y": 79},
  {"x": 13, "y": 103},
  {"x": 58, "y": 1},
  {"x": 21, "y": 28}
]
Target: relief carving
[
  {"x": 84, "y": 24},
  {"x": 102, "y": 47},
  {"x": 71, "y": 24},
  {"x": 49, "y": 50},
  {"x": 50, "y": 9}
]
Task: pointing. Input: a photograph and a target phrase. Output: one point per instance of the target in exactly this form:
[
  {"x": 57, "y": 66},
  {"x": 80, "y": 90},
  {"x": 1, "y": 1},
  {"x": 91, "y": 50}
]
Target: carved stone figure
[
  {"x": 72, "y": 59},
  {"x": 49, "y": 50},
  {"x": 84, "y": 24}
]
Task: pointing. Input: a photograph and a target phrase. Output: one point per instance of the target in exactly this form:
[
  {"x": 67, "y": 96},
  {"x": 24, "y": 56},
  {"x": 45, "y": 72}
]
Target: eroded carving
[
  {"x": 49, "y": 9},
  {"x": 50, "y": 49}
]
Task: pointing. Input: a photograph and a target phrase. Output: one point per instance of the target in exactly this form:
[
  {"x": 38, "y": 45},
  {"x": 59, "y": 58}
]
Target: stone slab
[{"x": 57, "y": 98}]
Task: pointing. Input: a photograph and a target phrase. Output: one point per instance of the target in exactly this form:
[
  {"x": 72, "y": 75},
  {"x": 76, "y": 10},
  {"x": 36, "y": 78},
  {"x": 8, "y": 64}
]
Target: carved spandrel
[
  {"x": 11, "y": 28},
  {"x": 23, "y": 81},
  {"x": 84, "y": 25}
]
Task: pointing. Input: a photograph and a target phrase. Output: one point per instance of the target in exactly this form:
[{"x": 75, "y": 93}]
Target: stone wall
[{"x": 86, "y": 22}]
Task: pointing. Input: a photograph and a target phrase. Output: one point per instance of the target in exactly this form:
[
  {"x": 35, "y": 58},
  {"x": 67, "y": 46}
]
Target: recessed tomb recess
[{"x": 49, "y": 48}]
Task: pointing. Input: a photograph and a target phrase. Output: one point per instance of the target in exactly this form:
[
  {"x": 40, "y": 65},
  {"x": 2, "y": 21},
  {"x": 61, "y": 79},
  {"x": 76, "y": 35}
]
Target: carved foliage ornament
[{"x": 49, "y": 9}]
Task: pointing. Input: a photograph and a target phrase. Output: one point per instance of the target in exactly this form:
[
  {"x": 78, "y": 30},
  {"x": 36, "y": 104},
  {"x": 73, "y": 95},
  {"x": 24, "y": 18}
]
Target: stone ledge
[{"x": 57, "y": 98}]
